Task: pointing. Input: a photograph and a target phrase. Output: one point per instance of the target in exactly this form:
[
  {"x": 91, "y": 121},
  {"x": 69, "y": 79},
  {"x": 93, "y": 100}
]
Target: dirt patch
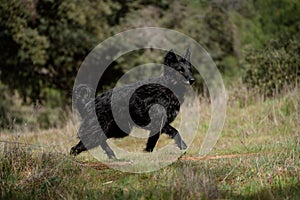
[
  {"x": 102, "y": 166},
  {"x": 198, "y": 158}
]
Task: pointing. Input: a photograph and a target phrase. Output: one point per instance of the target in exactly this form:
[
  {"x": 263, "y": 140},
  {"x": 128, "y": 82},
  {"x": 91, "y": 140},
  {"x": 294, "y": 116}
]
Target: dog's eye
[{"x": 181, "y": 69}]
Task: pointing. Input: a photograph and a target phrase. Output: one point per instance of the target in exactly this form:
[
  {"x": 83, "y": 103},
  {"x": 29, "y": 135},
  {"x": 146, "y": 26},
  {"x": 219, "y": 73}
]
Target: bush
[
  {"x": 4, "y": 104},
  {"x": 274, "y": 66},
  {"x": 51, "y": 118}
]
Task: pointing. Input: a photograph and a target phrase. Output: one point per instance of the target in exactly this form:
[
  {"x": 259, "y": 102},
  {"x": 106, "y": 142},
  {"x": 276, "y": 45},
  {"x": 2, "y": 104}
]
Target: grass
[{"x": 263, "y": 136}]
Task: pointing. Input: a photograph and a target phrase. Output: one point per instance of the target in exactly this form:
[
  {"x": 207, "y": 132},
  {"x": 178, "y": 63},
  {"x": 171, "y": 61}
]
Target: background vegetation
[
  {"x": 44, "y": 42},
  {"x": 255, "y": 44}
]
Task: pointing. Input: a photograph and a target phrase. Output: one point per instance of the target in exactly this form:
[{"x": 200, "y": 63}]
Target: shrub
[
  {"x": 274, "y": 66},
  {"x": 4, "y": 104}
]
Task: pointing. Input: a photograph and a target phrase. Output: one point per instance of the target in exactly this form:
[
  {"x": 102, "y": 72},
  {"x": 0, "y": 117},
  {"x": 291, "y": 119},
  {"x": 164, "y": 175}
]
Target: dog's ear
[
  {"x": 187, "y": 55},
  {"x": 170, "y": 58}
]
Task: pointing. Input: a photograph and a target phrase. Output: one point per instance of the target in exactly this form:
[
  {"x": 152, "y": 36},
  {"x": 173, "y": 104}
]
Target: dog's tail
[{"x": 82, "y": 97}]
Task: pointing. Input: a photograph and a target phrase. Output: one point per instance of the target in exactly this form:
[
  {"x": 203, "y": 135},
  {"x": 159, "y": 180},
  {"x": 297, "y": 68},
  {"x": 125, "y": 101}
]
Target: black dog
[{"x": 142, "y": 109}]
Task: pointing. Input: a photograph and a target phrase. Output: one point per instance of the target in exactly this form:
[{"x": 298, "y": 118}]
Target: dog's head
[{"x": 182, "y": 65}]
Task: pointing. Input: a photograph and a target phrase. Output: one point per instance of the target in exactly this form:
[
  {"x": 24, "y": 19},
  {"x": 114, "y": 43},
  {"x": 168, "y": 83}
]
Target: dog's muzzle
[{"x": 191, "y": 81}]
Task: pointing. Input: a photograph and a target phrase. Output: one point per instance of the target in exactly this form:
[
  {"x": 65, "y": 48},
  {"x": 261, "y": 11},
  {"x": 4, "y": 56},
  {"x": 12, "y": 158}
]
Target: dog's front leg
[
  {"x": 152, "y": 140},
  {"x": 107, "y": 149},
  {"x": 173, "y": 133}
]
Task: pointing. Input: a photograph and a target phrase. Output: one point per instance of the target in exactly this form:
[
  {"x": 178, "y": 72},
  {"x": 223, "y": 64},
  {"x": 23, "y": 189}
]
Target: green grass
[{"x": 264, "y": 134}]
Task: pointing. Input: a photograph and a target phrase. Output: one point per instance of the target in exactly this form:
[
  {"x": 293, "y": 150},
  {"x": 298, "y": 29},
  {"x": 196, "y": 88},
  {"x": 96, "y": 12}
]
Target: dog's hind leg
[
  {"x": 152, "y": 140},
  {"x": 80, "y": 148},
  {"x": 107, "y": 149},
  {"x": 173, "y": 133}
]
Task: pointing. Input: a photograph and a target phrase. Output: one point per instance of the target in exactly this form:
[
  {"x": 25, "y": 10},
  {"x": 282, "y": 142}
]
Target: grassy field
[{"x": 256, "y": 157}]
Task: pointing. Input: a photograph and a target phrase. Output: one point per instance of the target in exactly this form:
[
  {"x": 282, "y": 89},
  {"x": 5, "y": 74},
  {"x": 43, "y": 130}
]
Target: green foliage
[
  {"x": 270, "y": 68},
  {"x": 46, "y": 40},
  {"x": 220, "y": 38},
  {"x": 14, "y": 116},
  {"x": 209, "y": 24},
  {"x": 269, "y": 38},
  {"x": 260, "y": 21},
  {"x": 278, "y": 17},
  {"x": 51, "y": 118},
  {"x": 4, "y": 104}
]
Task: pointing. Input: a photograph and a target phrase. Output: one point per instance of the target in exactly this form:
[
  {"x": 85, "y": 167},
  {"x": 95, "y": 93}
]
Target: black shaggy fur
[{"x": 142, "y": 108}]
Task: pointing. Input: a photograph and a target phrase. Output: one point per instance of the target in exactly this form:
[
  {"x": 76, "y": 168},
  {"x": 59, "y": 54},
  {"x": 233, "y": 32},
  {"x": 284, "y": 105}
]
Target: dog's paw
[
  {"x": 148, "y": 150},
  {"x": 182, "y": 146},
  {"x": 74, "y": 152},
  {"x": 112, "y": 157}
]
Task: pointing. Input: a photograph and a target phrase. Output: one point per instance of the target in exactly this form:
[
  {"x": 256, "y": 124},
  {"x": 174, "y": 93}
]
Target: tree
[{"x": 43, "y": 42}]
